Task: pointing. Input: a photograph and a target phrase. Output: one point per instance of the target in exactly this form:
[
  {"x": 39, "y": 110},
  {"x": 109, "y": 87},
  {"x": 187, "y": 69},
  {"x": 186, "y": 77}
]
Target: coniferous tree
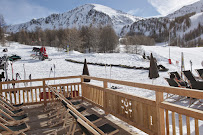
[{"x": 2, "y": 30}]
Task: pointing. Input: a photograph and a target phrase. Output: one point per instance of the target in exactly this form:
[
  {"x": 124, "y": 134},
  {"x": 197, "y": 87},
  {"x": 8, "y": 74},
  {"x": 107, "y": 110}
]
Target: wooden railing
[
  {"x": 150, "y": 116},
  {"x": 40, "y": 93},
  {"x": 153, "y": 116}
]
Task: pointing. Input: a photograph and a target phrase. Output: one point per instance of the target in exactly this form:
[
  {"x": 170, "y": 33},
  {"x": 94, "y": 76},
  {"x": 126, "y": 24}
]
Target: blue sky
[{"x": 19, "y": 11}]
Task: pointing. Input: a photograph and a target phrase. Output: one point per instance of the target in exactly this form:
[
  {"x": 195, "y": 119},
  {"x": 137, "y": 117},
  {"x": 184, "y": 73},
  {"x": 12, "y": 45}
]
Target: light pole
[
  {"x": 169, "y": 59},
  {"x": 169, "y": 45}
]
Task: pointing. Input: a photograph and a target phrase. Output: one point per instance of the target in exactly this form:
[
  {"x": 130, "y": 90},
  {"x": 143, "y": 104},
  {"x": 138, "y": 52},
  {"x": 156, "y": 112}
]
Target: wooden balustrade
[
  {"x": 38, "y": 94},
  {"x": 151, "y": 116}
]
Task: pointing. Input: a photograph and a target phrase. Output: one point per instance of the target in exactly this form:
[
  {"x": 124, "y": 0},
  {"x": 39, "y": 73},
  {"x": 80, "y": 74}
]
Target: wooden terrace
[{"x": 152, "y": 116}]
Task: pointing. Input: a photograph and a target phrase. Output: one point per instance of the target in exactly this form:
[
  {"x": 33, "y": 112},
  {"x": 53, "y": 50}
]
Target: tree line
[
  {"x": 2, "y": 30},
  {"x": 85, "y": 39}
]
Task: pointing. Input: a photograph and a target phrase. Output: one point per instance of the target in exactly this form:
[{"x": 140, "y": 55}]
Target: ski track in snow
[{"x": 41, "y": 69}]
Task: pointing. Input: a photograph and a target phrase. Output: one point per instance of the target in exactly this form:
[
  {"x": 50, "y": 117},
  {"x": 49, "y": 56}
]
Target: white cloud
[
  {"x": 20, "y": 11},
  {"x": 165, "y": 7}
]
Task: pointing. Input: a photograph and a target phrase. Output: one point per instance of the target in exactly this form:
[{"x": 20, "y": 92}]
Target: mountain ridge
[
  {"x": 196, "y": 7},
  {"x": 85, "y": 15}
]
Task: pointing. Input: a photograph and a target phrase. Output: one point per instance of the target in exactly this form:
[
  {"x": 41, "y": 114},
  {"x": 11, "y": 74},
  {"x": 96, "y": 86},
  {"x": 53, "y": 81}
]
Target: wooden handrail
[
  {"x": 194, "y": 113},
  {"x": 172, "y": 90},
  {"x": 37, "y": 80}
]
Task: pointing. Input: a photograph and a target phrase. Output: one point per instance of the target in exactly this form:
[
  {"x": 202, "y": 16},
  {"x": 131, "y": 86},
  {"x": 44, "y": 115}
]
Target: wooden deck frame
[{"x": 145, "y": 114}]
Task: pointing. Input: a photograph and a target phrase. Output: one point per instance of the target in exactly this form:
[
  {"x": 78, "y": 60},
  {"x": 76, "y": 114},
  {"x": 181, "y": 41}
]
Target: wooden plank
[
  {"x": 132, "y": 97},
  {"x": 154, "y": 119},
  {"x": 6, "y": 94},
  {"x": 1, "y": 88},
  {"x": 167, "y": 122},
  {"x": 97, "y": 96},
  {"x": 10, "y": 95},
  {"x": 145, "y": 115},
  {"x": 32, "y": 95},
  {"x": 150, "y": 117},
  {"x": 27, "y": 97},
  {"x": 36, "y": 95},
  {"x": 78, "y": 89},
  {"x": 19, "y": 96},
  {"x": 15, "y": 99},
  {"x": 174, "y": 123},
  {"x": 196, "y": 127},
  {"x": 100, "y": 97},
  {"x": 92, "y": 94},
  {"x": 140, "y": 114},
  {"x": 49, "y": 94},
  {"x": 180, "y": 124},
  {"x": 23, "y": 96},
  {"x": 188, "y": 125},
  {"x": 64, "y": 84},
  {"x": 44, "y": 93},
  {"x": 75, "y": 90},
  {"x": 59, "y": 89},
  {"x": 71, "y": 91},
  {"x": 67, "y": 92},
  {"x": 194, "y": 113}
]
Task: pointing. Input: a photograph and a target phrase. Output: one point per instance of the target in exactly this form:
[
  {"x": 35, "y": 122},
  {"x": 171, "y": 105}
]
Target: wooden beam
[{"x": 38, "y": 80}]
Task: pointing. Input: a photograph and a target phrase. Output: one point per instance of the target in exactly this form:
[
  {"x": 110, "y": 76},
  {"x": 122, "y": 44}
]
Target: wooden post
[
  {"x": 82, "y": 87},
  {"x": 160, "y": 114},
  {"x": 105, "y": 85},
  {"x": 1, "y": 88},
  {"x": 44, "y": 93}
]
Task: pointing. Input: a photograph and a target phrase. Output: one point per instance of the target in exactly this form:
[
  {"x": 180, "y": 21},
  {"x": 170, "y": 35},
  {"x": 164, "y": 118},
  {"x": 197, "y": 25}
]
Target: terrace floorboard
[{"x": 38, "y": 121}]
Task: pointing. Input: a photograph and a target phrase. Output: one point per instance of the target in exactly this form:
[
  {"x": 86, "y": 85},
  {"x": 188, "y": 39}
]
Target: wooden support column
[
  {"x": 160, "y": 114},
  {"x": 1, "y": 88},
  {"x": 44, "y": 93},
  {"x": 105, "y": 85},
  {"x": 82, "y": 86}
]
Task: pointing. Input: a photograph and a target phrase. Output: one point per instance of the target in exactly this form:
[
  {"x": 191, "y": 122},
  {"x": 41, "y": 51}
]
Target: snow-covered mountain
[
  {"x": 185, "y": 23},
  {"x": 89, "y": 14},
  {"x": 196, "y": 7}
]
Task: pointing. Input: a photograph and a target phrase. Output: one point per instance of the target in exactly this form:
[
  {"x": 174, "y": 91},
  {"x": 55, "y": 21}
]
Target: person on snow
[{"x": 43, "y": 54}]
